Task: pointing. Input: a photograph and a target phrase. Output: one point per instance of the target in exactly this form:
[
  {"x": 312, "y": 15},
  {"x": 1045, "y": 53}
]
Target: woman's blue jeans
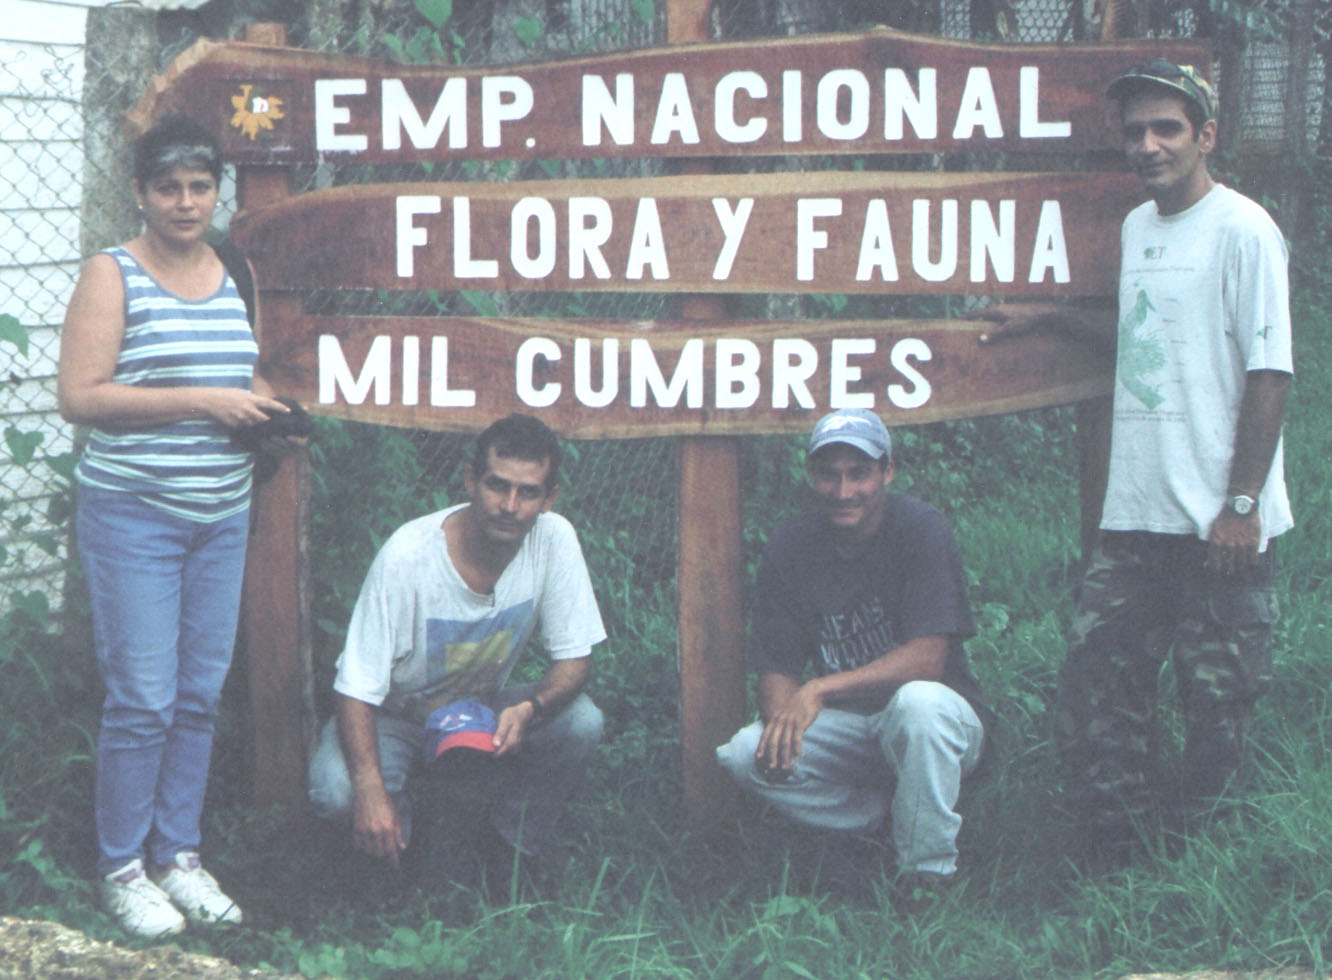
[{"x": 165, "y": 596}]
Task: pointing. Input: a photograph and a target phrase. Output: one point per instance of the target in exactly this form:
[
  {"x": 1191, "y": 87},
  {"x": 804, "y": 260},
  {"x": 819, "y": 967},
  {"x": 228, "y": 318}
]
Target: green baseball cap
[{"x": 1184, "y": 79}]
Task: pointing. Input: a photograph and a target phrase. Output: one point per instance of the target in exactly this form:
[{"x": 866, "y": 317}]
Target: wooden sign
[
  {"x": 843, "y": 232},
  {"x": 605, "y": 379},
  {"x": 880, "y": 91},
  {"x": 904, "y": 233}
]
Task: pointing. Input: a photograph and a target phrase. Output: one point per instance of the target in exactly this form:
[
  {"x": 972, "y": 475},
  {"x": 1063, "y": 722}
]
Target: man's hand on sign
[
  {"x": 1081, "y": 322},
  {"x": 1016, "y": 319}
]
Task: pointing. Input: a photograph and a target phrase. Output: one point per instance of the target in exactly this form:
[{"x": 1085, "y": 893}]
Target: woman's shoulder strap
[{"x": 239, "y": 269}]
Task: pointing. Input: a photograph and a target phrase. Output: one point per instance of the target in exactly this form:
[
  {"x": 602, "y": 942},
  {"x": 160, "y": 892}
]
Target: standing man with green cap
[{"x": 1196, "y": 492}]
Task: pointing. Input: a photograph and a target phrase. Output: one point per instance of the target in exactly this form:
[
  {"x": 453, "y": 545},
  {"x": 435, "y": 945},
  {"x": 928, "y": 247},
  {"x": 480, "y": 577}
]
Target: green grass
[{"x": 627, "y": 890}]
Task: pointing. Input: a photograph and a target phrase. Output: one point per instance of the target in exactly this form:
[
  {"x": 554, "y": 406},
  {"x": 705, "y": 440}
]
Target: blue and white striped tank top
[{"x": 189, "y": 468}]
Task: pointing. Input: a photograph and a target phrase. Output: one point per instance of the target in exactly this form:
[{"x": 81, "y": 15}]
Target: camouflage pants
[{"x": 1145, "y": 595}]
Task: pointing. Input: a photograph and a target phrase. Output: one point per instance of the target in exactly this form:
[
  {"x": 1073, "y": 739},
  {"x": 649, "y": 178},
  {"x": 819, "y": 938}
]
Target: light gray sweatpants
[{"x": 906, "y": 761}]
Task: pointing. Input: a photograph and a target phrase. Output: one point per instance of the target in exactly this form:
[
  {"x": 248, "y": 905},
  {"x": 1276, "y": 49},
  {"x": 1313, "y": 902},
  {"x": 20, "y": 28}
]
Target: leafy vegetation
[
  {"x": 628, "y": 890},
  {"x": 23, "y": 610}
]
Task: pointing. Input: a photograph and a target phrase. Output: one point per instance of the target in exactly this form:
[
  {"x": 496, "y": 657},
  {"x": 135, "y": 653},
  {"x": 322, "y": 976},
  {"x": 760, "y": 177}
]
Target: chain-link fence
[
  {"x": 64, "y": 192},
  {"x": 39, "y": 248}
]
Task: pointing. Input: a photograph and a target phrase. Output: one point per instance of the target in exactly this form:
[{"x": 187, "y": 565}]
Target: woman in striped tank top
[{"x": 157, "y": 356}]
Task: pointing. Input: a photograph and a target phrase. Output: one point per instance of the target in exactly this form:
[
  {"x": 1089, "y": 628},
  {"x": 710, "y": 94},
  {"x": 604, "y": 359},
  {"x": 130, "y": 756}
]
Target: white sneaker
[
  {"x": 196, "y": 892},
  {"x": 140, "y": 906}
]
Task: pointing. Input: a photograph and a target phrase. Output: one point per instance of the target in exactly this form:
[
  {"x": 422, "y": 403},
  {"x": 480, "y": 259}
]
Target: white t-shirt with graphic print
[
  {"x": 1203, "y": 299},
  {"x": 420, "y": 638}
]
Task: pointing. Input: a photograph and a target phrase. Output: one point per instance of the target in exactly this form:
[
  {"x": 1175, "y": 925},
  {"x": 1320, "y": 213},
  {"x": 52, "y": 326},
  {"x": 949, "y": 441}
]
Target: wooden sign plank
[
  {"x": 606, "y": 380},
  {"x": 880, "y": 91},
  {"x": 842, "y": 232}
]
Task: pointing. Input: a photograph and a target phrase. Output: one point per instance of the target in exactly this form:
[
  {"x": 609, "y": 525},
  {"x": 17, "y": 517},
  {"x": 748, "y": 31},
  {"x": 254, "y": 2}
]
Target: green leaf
[
  {"x": 437, "y": 12},
  {"x": 483, "y": 303},
  {"x": 14, "y": 332},
  {"x": 22, "y": 445},
  {"x": 459, "y": 45},
  {"x": 418, "y": 46},
  {"x": 34, "y": 605},
  {"x": 60, "y": 509},
  {"x": 63, "y": 464},
  {"x": 644, "y": 10},
  {"x": 528, "y": 30},
  {"x": 799, "y": 971}
]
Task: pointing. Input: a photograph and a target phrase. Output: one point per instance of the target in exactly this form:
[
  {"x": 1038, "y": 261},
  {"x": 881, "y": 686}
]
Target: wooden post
[
  {"x": 1093, "y": 440},
  {"x": 1095, "y": 415},
  {"x": 275, "y": 631},
  {"x": 710, "y": 622},
  {"x": 710, "y": 570}
]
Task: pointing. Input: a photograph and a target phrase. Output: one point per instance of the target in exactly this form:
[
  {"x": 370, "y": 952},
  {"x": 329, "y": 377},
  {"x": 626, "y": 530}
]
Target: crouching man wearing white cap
[{"x": 865, "y": 697}]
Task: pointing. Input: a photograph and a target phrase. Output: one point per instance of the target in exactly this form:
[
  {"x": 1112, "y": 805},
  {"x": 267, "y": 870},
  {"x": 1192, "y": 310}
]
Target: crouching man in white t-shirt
[{"x": 447, "y": 607}]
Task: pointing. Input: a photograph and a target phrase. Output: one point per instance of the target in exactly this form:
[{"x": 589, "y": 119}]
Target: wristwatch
[
  {"x": 1242, "y": 504},
  {"x": 539, "y": 708}
]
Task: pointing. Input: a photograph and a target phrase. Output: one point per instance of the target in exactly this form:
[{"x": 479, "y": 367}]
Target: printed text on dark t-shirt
[{"x": 853, "y": 638}]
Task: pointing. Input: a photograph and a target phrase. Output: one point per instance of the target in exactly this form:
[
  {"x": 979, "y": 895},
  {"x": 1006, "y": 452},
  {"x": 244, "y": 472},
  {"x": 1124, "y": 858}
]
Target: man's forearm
[
  {"x": 789, "y": 707},
  {"x": 376, "y": 829},
  {"x": 562, "y": 682},
  {"x": 1258, "y": 429},
  {"x": 921, "y": 659},
  {"x": 360, "y": 746},
  {"x": 1090, "y": 321}
]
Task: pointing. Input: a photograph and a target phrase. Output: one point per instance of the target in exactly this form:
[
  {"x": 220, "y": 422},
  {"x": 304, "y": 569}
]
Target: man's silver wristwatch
[{"x": 1242, "y": 504}]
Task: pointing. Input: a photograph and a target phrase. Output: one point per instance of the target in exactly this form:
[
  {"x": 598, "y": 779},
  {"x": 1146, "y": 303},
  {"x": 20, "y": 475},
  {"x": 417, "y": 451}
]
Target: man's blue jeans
[
  {"x": 165, "y": 596},
  {"x": 535, "y": 783}
]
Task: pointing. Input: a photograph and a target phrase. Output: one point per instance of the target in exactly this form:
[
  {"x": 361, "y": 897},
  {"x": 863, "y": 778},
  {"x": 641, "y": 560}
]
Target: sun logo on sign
[{"x": 255, "y": 111}]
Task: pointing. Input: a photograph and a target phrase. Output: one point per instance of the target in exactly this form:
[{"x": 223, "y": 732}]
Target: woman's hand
[{"x": 236, "y": 407}]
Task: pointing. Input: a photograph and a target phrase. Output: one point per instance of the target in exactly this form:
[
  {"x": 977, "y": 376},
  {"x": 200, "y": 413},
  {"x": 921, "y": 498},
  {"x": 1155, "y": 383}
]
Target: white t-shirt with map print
[
  {"x": 420, "y": 638},
  {"x": 1203, "y": 299}
]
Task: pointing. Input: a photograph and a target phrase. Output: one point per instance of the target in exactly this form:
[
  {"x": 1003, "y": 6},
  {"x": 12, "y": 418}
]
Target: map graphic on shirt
[
  {"x": 469, "y": 658},
  {"x": 1141, "y": 353},
  {"x": 420, "y": 638},
  {"x": 1203, "y": 301}
]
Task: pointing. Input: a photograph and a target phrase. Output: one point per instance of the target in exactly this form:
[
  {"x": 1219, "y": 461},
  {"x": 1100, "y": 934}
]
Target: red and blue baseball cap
[{"x": 459, "y": 725}]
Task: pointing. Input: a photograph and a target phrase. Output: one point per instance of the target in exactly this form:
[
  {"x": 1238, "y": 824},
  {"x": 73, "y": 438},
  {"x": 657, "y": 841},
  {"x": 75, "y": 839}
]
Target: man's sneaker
[
  {"x": 140, "y": 906},
  {"x": 196, "y": 892}
]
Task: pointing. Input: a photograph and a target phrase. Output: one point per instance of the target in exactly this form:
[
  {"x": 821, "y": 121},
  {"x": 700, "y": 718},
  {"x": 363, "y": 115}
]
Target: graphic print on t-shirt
[
  {"x": 854, "y": 637},
  {"x": 470, "y": 658},
  {"x": 1141, "y": 353}
]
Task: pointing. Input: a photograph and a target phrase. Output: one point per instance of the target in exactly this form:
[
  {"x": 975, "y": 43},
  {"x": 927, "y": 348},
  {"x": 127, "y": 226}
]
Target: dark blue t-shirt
[{"x": 815, "y": 607}]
